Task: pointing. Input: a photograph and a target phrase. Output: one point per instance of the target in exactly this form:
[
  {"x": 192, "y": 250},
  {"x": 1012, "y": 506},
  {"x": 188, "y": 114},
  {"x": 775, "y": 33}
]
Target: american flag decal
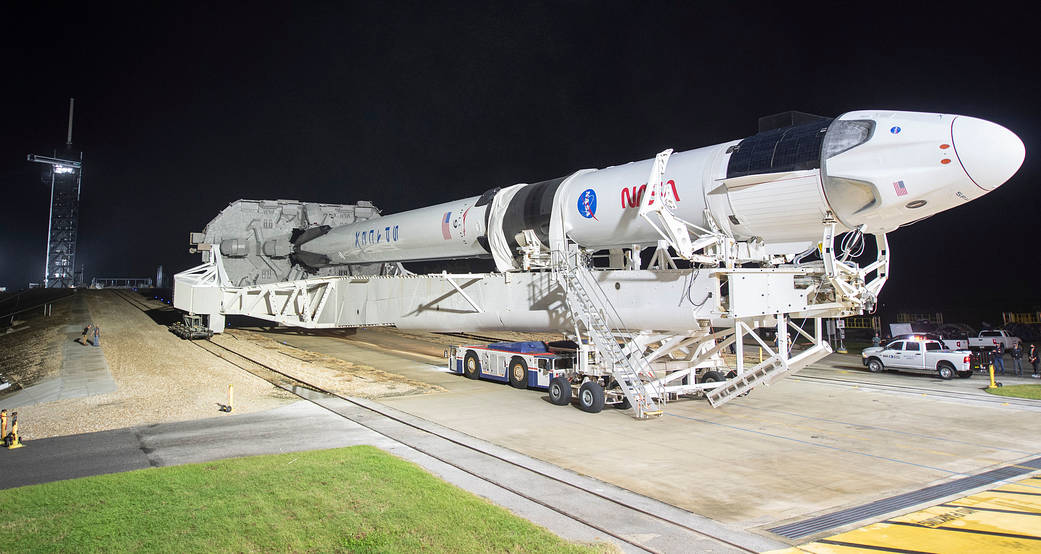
[
  {"x": 900, "y": 189},
  {"x": 446, "y": 231}
]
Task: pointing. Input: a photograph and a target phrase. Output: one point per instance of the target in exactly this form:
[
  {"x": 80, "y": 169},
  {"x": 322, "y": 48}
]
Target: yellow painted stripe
[
  {"x": 990, "y": 521},
  {"x": 968, "y": 519},
  {"x": 923, "y": 539}
]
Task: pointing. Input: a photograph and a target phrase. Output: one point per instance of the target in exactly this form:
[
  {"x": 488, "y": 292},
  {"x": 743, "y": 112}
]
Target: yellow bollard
[
  {"x": 3, "y": 424},
  {"x": 13, "y": 442},
  {"x": 993, "y": 385},
  {"x": 231, "y": 397}
]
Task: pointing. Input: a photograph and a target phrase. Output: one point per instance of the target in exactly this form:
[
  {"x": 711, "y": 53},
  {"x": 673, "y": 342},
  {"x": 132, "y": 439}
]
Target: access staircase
[
  {"x": 764, "y": 373},
  {"x": 760, "y": 374},
  {"x": 627, "y": 363}
]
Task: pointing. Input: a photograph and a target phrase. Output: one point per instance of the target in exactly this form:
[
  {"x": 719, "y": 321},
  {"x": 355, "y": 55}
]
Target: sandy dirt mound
[
  {"x": 332, "y": 374},
  {"x": 28, "y": 348},
  {"x": 161, "y": 378}
]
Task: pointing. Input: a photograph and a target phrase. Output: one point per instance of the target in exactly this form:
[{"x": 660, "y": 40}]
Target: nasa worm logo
[
  {"x": 895, "y": 130},
  {"x": 587, "y": 204}
]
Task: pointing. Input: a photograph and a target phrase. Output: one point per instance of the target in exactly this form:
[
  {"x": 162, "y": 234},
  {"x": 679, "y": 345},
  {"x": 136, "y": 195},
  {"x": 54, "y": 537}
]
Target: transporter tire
[
  {"x": 945, "y": 370},
  {"x": 874, "y": 365},
  {"x": 964, "y": 374},
  {"x": 559, "y": 391},
  {"x": 712, "y": 377},
  {"x": 591, "y": 397},
  {"x": 518, "y": 373},
  {"x": 471, "y": 365}
]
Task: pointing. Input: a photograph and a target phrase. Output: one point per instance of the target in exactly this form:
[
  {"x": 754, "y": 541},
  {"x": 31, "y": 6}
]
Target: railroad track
[
  {"x": 294, "y": 385},
  {"x": 416, "y": 436},
  {"x": 917, "y": 390},
  {"x": 137, "y": 303}
]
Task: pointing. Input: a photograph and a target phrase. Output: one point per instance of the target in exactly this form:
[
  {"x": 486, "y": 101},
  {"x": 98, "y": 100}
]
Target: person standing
[
  {"x": 876, "y": 341},
  {"x": 1017, "y": 358},
  {"x": 1032, "y": 358},
  {"x": 999, "y": 361},
  {"x": 97, "y": 336}
]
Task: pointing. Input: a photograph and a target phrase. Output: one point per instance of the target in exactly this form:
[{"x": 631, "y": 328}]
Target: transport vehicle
[{"x": 921, "y": 355}]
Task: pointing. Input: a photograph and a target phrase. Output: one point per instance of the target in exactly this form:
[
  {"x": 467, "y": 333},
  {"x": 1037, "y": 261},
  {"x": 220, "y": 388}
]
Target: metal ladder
[
  {"x": 763, "y": 373},
  {"x": 626, "y": 363}
]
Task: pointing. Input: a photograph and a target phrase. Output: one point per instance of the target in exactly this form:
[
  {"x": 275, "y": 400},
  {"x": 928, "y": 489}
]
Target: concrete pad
[{"x": 802, "y": 446}]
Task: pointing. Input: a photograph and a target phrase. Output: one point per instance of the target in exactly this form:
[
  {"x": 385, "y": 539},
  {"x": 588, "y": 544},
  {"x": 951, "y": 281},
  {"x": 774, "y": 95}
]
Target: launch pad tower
[{"x": 65, "y": 174}]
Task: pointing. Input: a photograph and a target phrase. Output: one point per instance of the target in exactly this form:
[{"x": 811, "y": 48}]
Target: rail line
[
  {"x": 293, "y": 385},
  {"x": 913, "y": 389}
]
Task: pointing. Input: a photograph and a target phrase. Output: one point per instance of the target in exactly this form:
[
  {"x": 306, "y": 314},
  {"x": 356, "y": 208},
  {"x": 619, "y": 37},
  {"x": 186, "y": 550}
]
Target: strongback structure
[
  {"x": 65, "y": 174},
  {"x": 653, "y": 269}
]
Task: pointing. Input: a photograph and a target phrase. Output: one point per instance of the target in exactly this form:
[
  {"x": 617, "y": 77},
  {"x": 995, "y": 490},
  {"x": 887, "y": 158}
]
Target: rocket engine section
[
  {"x": 254, "y": 238},
  {"x": 871, "y": 171}
]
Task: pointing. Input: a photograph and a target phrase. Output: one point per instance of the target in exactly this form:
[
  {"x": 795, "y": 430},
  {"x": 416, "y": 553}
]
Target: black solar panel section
[
  {"x": 788, "y": 119},
  {"x": 778, "y": 150}
]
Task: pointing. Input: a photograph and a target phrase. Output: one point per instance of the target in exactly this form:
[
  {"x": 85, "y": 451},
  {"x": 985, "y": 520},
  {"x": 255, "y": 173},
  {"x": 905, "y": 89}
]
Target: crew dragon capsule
[{"x": 870, "y": 170}]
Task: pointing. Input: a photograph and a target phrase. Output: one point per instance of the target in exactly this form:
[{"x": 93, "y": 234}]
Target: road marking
[{"x": 1003, "y": 519}]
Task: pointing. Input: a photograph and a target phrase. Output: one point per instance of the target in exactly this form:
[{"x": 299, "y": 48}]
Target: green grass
[
  {"x": 356, "y": 499},
  {"x": 1018, "y": 391}
]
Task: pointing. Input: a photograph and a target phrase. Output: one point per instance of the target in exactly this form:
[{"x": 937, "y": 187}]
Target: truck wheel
[
  {"x": 875, "y": 366},
  {"x": 712, "y": 377},
  {"x": 964, "y": 374},
  {"x": 471, "y": 365},
  {"x": 559, "y": 391},
  {"x": 518, "y": 373},
  {"x": 945, "y": 370},
  {"x": 591, "y": 397}
]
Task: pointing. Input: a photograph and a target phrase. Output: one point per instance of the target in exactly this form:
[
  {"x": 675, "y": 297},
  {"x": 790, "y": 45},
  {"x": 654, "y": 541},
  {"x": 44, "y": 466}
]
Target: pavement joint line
[
  {"x": 949, "y": 396},
  {"x": 818, "y": 445},
  {"x": 589, "y": 484},
  {"x": 875, "y": 427},
  {"x": 378, "y": 420}
]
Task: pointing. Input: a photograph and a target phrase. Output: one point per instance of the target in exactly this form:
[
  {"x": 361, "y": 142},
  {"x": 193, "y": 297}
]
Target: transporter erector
[{"x": 654, "y": 266}]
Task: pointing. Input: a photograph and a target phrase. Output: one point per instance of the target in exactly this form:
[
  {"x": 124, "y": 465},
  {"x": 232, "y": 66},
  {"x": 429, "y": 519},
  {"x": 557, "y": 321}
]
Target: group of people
[
  {"x": 997, "y": 357},
  {"x": 91, "y": 333},
  {"x": 1017, "y": 359}
]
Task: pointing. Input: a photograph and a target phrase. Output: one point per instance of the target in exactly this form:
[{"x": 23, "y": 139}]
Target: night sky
[{"x": 182, "y": 111}]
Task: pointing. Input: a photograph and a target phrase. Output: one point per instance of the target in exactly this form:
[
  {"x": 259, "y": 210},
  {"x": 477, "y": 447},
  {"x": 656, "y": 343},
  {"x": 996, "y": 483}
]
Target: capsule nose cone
[{"x": 990, "y": 153}]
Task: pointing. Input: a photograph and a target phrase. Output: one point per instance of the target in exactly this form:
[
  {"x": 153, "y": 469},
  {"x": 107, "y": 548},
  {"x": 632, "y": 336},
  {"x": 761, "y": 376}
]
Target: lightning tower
[{"x": 65, "y": 174}]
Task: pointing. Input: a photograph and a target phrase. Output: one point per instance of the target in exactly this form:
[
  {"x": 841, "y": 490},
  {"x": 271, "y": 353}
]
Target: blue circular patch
[
  {"x": 895, "y": 130},
  {"x": 587, "y": 204}
]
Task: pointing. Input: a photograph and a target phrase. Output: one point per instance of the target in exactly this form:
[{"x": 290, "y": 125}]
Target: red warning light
[{"x": 945, "y": 161}]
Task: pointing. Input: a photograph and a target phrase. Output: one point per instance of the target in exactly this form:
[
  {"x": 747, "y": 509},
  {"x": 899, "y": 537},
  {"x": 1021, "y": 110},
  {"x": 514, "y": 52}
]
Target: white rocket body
[{"x": 873, "y": 170}]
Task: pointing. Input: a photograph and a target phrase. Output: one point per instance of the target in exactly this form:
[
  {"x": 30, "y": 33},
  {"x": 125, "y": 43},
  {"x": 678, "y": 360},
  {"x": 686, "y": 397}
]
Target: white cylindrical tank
[
  {"x": 449, "y": 230},
  {"x": 881, "y": 170}
]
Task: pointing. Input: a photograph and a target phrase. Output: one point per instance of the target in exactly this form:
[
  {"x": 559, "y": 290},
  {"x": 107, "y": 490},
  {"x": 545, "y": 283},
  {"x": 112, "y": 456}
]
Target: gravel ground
[
  {"x": 332, "y": 374},
  {"x": 161, "y": 379},
  {"x": 26, "y": 347}
]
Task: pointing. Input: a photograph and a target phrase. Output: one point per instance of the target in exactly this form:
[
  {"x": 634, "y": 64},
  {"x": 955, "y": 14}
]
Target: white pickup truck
[
  {"x": 928, "y": 356},
  {"x": 986, "y": 341}
]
